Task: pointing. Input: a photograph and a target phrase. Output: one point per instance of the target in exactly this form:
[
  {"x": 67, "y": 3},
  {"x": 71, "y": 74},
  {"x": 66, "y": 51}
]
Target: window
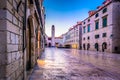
[
  {"x": 84, "y": 29},
  {"x": 84, "y": 22},
  {"x": 88, "y": 20},
  {"x": 116, "y": 48},
  {"x": 89, "y": 28},
  {"x": 104, "y": 21},
  {"x": 104, "y": 46},
  {"x": 97, "y": 25},
  {"x": 88, "y": 46},
  {"x": 104, "y": 10},
  {"x": 88, "y": 37},
  {"x": 96, "y": 15},
  {"x": 97, "y": 36},
  {"x": 104, "y": 35},
  {"x": 84, "y": 47},
  {"x": 111, "y": 35},
  {"x": 83, "y": 38},
  {"x": 97, "y": 46}
]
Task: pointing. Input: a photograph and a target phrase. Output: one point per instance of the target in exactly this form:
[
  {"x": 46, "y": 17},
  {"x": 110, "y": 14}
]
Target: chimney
[{"x": 79, "y": 23}]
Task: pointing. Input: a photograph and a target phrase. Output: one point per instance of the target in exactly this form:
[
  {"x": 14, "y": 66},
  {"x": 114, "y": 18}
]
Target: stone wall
[
  {"x": 11, "y": 55},
  {"x": 116, "y": 27}
]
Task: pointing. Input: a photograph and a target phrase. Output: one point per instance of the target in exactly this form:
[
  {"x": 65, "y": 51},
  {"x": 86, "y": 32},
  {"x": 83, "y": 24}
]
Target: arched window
[
  {"x": 84, "y": 46},
  {"x": 96, "y": 46},
  {"x": 88, "y": 46},
  {"x": 104, "y": 45}
]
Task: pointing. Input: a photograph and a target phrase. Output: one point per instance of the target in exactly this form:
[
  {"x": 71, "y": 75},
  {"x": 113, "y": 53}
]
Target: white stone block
[
  {"x": 9, "y": 58},
  {"x": 15, "y": 21},
  {"x": 13, "y": 38},
  {"x": 3, "y": 42},
  {"x": 9, "y": 16},
  {"x": 8, "y": 37},
  {"x": 11, "y": 48},
  {"x": 13, "y": 56},
  {"x": 17, "y": 40},
  {"x": 12, "y": 28}
]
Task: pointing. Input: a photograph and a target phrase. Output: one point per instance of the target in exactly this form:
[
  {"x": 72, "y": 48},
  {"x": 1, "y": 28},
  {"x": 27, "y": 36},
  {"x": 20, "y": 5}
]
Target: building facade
[
  {"x": 100, "y": 31},
  {"x": 58, "y": 42},
  {"x": 73, "y": 37},
  {"x": 22, "y": 35}
]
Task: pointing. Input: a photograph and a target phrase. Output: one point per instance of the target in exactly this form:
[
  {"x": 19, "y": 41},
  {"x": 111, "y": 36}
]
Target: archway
[
  {"x": 97, "y": 46},
  {"x": 49, "y": 45},
  {"x": 88, "y": 46},
  {"x": 56, "y": 44},
  {"x": 104, "y": 46},
  {"x": 84, "y": 47},
  {"x": 30, "y": 54}
]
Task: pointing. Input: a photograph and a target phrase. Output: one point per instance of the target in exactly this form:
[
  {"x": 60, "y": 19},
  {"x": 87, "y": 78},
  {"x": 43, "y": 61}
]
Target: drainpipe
[
  {"x": 24, "y": 39},
  {"x": 24, "y": 26}
]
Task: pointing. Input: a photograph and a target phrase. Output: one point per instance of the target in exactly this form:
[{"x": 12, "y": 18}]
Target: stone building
[
  {"x": 73, "y": 37},
  {"x": 21, "y": 37},
  {"x": 54, "y": 41},
  {"x": 58, "y": 42},
  {"x": 100, "y": 31}
]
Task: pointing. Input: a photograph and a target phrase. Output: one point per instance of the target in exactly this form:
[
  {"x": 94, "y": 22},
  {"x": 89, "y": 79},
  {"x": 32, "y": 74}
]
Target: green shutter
[
  {"x": 105, "y": 22},
  {"x": 97, "y": 25},
  {"x": 88, "y": 28},
  {"x": 84, "y": 30}
]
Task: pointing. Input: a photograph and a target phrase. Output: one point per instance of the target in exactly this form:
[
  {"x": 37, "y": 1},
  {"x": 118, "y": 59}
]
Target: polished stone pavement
[{"x": 72, "y": 64}]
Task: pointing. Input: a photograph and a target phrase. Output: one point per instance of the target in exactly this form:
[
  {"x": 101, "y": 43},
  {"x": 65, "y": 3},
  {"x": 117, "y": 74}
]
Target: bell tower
[{"x": 53, "y": 36}]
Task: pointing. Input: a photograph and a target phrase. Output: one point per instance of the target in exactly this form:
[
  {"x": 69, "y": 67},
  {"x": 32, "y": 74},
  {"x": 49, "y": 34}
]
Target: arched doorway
[
  {"x": 104, "y": 46},
  {"x": 49, "y": 45},
  {"x": 56, "y": 44},
  {"x": 97, "y": 46},
  {"x": 84, "y": 47},
  {"x": 28, "y": 55},
  {"x": 88, "y": 46}
]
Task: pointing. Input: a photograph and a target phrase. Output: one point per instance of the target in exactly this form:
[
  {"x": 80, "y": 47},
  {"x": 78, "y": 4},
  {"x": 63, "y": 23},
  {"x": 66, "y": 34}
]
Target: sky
[{"x": 66, "y": 13}]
